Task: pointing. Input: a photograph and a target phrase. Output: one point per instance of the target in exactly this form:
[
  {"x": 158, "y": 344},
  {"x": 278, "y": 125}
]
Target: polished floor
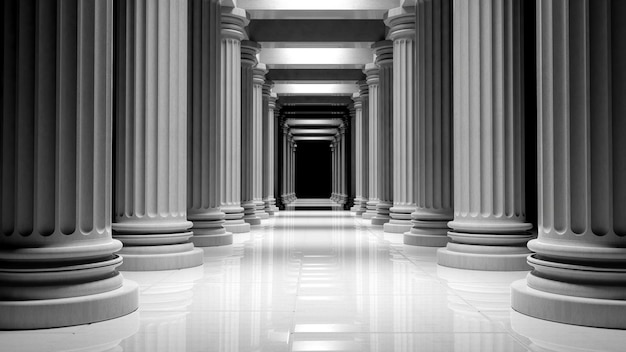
[{"x": 320, "y": 281}]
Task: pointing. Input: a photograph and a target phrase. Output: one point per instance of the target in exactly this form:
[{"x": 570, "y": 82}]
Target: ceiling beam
[
  {"x": 303, "y": 30},
  {"x": 313, "y": 122},
  {"x": 315, "y": 75},
  {"x": 313, "y": 131},
  {"x": 313, "y": 138},
  {"x": 294, "y": 100}
]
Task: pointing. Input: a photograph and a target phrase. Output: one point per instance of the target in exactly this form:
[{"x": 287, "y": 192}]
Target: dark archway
[{"x": 313, "y": 169}]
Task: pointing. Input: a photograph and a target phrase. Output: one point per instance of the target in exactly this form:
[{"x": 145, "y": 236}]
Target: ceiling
[{"x": 315, "y": 51}]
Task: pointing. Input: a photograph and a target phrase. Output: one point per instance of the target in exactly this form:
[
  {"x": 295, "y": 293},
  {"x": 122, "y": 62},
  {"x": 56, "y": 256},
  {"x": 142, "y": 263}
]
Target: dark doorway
[{"x": 313, "y": 169}]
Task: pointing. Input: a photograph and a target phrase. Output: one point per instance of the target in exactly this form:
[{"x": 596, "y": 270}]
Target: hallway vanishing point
[{"x": 320, "y": 281}]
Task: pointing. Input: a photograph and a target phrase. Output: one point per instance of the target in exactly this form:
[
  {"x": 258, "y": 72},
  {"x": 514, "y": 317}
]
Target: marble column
[
  {"x": 358, "y": 153},
  {"x": 260, "y": 70},
  {"x": 401, "y": 23},
  {"x": 489, "y": 230},
  {"x": 249, "y": 50},
  {"x": 285, "y": 163},
  {"x": 203, "y": 130},
  {"x": 365, "y": 160},
  {"x": 333, "y": 170},
  {"x": 384, "y": 61},
  {"x": 580, "y": 253},
  {"x": 343, "y": 192},
  {"x": 233, "y": 21},
  {"x": 433, "y": 119},
  {"x": 371, "y": 71},
  {"x": 292, "y": 171},
  {"x": 58, "y": 265},
  {"x": 269, "y": 105},
  {"x": 150, "y": 205}
]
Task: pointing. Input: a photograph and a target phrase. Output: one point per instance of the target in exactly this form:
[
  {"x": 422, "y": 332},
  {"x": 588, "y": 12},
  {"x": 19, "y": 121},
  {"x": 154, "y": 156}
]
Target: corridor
[{"x": 320, "y": 281}]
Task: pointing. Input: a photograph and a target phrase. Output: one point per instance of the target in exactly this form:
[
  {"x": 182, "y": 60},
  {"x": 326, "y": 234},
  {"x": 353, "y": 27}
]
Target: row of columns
[
  {"x": 168, "y": 156},
  {"x": 454, "y": 172},
  {"x": 338, "y": 159},
  {"x": 289, "y": 148}
]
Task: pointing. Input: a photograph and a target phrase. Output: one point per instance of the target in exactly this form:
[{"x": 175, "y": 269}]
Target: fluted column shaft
[
  {"x": 249, "y": 50},
  {"x": 151, "y": 137},
  {"x": 285, "y": 163},
  {"x": 292, "y": 170},
  {"x": 233, "y": 22},
  {"x": 57, "y": 261},
  {"x": 269, "y": 105},
  {"x": 358, "y": 154},
  {"x": 342, "y": 167},
  {"x": 204, "y": 130},
  {"x": 384, "y": 61},
  {"x": 257, "y": 141},
  {"x": 433, "y": 122},
  {"x": 401, "y": 23},
  {"x": 365, "y": 156},
  {"x": 371, "y": 71},
  {"x": 580, "y": 256},
  {"x": 489, "y": 231}
]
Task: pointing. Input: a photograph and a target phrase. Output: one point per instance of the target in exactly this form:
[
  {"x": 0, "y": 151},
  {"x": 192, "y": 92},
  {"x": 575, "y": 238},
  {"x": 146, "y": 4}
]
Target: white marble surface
[{"x": 320, "y": 281}]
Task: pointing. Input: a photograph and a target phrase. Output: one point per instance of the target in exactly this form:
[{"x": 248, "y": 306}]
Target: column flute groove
[
  {"x": 433, "y": 148},
  {"x": 579, "y": 264},
  {"x": 58, "y": 265},
  {"x": 365, "y": 160}
]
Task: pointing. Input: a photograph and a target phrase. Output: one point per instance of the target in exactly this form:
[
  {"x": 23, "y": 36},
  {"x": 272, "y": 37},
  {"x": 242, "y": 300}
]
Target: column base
[
  {"x": 483, "y": 257},
  {"x": 382, "y": 213},
  {"x": 165, "y": 257},
  {"x": 601, "y": 313},
  {"x": 397, "y": 226},
  {"x": 237, "y": 226},
  {"x": 208, "y": 229},
  {"x": 53, "y": 313},
  {"x": 371, "y": 209},
  {"x": 270, "y": 206},
  {"x": 427, "y": 234}
]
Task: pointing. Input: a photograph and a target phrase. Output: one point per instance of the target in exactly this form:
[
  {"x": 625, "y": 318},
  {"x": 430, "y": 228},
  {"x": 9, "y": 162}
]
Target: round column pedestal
[
  {"x": 502, "y": 251},
  {"x": 208, "y": 229},
  {"x": 260, "y": 210},
  {"x": 400, "y": 221},
  {"x": 233, "y": 220},
  {"x": 371, "y": 209},
  {"x": 382, "y": 213},
  {"x": 140, "y": 255},
  {"x": 87, "y": 308},
  {"x": 249, "y": 213},
  {"x": 605, "y": 313},
  {"x": 427, "y": 233}
]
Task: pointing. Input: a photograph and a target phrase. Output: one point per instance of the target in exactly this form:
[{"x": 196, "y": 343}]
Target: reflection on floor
[
  {"x": 320, "y": 281},
  {"x": 314, "y": 204}
]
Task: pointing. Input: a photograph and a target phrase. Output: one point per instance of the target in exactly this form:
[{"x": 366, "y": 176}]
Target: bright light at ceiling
[
  {"x": 299, "y": 88},
  {"x": 316, "y": 56},
  {"x": 318, "y": 4}
]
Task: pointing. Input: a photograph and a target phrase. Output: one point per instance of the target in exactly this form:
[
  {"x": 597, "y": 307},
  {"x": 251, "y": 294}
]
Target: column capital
[
  {"x": 267, "y": 88},
  {"x": 249, "y": 49},
  {"x": 401, "y": 23},
  {"x": 371, "y": 71},
  {"x": 384, "y": 52},
  {"x": 234, "y": 22},
  {"x": 364, "y": 88},
  {"x": 259, "y": 72}
]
